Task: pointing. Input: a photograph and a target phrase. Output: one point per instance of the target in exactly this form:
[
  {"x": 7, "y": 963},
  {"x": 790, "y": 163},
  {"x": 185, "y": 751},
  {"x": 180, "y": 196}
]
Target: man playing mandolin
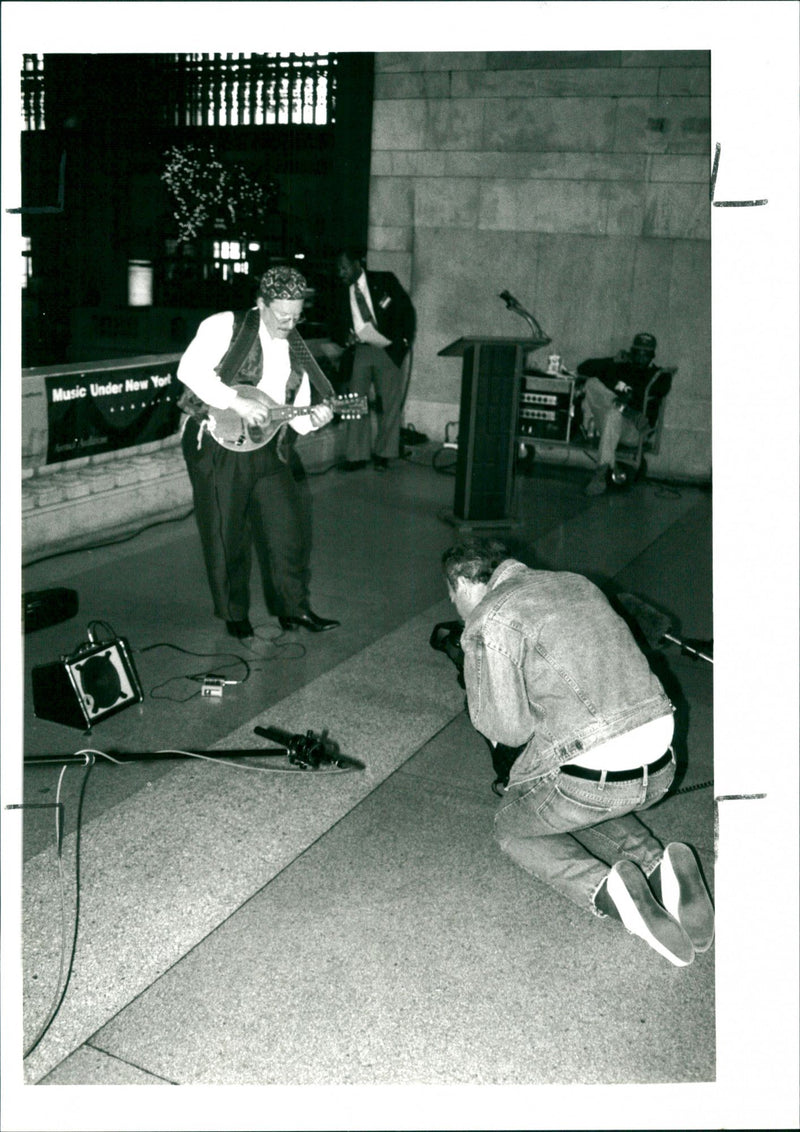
[{"x": 251, "y": 367}]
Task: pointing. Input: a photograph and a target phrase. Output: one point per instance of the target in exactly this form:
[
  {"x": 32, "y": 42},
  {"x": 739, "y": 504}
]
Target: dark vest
[
  {"x": 241, "y": 364},
  {"x": 243, "y": 361}
]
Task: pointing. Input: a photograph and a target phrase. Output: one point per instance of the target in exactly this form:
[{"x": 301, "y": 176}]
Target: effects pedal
[{"x": 213, "y": 685}]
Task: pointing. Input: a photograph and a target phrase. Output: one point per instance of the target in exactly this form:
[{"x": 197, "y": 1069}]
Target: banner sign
[{"x": 104, "y": 410}]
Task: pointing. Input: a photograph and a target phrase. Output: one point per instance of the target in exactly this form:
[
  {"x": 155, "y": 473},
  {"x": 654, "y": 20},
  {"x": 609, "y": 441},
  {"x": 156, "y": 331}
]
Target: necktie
[{"x": 363, "y": 306}]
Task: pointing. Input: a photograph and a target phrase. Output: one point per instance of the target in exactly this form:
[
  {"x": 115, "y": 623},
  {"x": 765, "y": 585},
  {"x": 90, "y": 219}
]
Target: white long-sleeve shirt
[
  {"x": 365, "y": 331},
  {"x": 206, "y": 350}
]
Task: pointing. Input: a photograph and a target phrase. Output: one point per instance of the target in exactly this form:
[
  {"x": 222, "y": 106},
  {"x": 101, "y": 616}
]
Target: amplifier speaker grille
[{"x": 95, "y": 682}]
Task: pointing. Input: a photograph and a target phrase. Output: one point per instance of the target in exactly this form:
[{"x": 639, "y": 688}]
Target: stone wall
[{"x": 579, "y": 182}]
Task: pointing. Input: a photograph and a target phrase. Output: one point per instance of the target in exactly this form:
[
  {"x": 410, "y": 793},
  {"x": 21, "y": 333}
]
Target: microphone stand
[
  {"x": 306, "y": 752},
  {"x": 149, "y": 756},
  {"x": 539, "y": 336}
]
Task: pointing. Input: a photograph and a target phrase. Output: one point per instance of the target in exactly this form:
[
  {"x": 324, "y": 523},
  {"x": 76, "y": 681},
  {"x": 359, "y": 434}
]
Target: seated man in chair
[{"x": 614, "y": 395}]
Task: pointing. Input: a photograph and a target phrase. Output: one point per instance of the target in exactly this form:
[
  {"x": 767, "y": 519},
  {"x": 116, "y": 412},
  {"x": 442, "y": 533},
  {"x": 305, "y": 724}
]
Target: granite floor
[{"x": 263, "y": 925}]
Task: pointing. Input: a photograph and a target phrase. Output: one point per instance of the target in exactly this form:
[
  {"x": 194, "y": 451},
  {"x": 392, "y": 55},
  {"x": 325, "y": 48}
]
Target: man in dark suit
[{"x": 375, "y": 321}]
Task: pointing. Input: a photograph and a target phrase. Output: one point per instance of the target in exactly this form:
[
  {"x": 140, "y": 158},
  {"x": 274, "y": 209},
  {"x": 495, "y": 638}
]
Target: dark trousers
[
  {"x": 246, "y": 499},
  {"x": 372, "y": 366}
]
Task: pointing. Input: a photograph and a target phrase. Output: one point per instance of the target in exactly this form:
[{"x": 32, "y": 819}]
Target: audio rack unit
[{"x": 546, "y": 409}]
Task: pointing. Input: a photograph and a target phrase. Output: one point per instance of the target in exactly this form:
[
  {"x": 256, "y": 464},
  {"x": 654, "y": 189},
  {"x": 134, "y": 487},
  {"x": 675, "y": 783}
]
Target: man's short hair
[
  {"x": 644, "y": 341},
  {"x": 282, "y": 283},
  {"x": 355, "y": 253},
  {"x": 475, "y": 559}
]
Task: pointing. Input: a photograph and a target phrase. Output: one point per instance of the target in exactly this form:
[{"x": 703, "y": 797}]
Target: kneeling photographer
[
  {"x": 556, "y": 681},
  {"x": 446, "y": 638}
]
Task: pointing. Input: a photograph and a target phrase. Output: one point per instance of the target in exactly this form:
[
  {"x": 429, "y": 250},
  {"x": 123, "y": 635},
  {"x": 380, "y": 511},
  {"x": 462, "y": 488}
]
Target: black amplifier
[{"x": 96, "y": 681}]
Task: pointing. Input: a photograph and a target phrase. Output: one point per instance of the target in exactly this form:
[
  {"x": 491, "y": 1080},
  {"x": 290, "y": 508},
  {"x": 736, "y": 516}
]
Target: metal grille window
[
  {"x": 222, "y": 90},
  {"x": 33, "y": 92},
  {"x": 251, "y": 90}
]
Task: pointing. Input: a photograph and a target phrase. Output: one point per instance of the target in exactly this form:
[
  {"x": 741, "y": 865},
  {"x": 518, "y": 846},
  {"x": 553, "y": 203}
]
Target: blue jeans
[{"x": 563, "y": 829}]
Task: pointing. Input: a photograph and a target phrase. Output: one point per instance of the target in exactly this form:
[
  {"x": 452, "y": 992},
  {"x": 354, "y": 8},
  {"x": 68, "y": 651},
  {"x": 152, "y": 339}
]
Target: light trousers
[{"x": 611, "y": 425}]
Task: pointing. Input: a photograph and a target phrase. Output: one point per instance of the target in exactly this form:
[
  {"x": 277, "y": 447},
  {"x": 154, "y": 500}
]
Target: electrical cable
[
  {"x": 109, "y": 628},
  {"x": 91, "y": 754},
  {"x": 236, "y": 659},
  {"x": 173, "y": 699},
  {"x": 697, "y": 786},
  {"x": 256, "y": 753},
  {"x": 109, "y": 542},
  {"x": 189, "y": 652},
  {"x": 275, "y": 640},
  {"x": 59, "y": 996},
  {"x": 446, "y": 469}
]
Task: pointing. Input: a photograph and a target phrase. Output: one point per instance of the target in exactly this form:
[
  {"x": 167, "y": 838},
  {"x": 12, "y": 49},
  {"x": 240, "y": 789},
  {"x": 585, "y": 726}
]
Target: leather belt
[{"x": 617, "y": 775}]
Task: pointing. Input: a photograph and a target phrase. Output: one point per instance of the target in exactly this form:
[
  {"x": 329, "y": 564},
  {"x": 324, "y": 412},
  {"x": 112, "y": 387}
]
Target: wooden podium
[{"x": 491, "y": 379}]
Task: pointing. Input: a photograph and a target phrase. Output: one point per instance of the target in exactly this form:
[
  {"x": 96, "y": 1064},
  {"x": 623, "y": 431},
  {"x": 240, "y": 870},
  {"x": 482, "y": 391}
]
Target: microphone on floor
[
  {"x": 308, "y": 751},
  {"x": 657, "y": 628}
]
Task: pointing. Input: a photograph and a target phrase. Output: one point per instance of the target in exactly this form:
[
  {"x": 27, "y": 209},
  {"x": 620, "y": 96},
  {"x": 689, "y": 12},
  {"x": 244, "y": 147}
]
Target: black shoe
[
  {"x": 598, "y": 484},
  {"x": 308, "y": 621},
  {"x": 240, "y": 629},
  {"x": 352, "y": 465}
]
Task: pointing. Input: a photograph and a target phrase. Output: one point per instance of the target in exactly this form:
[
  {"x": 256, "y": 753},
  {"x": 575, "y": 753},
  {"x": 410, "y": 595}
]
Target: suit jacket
[{"x": 394, "y": 314}]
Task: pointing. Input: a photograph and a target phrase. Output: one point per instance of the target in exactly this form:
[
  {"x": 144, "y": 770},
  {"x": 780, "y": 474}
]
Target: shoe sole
[
  {"x": 643, "y": 916},
  {"x": 685, "y": 896},
  {"x": 310, "y": 628}
]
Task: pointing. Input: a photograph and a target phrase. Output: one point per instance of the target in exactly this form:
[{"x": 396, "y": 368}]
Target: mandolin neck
[{"x": 286, "y": 412}]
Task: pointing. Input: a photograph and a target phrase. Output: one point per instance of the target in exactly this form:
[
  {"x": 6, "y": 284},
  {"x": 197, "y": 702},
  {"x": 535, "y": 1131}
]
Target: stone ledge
[
  {"x": 65, "y": 507},
  {"x": 61, "y": 525}
]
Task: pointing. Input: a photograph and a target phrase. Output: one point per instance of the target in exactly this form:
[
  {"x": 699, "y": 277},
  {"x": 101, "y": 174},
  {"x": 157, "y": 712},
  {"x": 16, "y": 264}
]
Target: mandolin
[{"x": 233, "y": 433}]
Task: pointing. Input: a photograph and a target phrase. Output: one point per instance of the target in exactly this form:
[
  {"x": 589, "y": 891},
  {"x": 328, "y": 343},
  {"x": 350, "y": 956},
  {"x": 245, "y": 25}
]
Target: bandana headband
[{"x": 282, "y": 283}]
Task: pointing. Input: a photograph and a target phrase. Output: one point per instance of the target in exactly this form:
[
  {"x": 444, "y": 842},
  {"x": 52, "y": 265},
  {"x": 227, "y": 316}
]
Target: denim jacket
[{"x": 550, "y": 666}]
